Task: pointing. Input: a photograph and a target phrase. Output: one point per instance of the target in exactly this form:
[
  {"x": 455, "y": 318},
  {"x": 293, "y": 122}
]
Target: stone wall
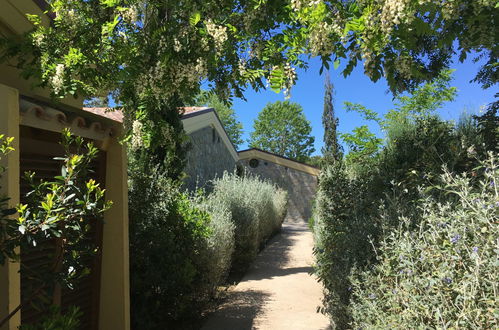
[
  {"x": 301, "y": 186},
  {"x": 207, "y": 159}
]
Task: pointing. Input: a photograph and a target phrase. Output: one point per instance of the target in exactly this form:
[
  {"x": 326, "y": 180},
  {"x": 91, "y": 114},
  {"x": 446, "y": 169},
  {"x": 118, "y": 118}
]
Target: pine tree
[{"x": 332, "y": 150}]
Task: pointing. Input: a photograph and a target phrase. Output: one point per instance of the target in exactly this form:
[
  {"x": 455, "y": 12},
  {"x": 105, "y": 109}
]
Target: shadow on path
[
  {"x": 241, "y": 311},
  {"x": 277, "y": 292}
]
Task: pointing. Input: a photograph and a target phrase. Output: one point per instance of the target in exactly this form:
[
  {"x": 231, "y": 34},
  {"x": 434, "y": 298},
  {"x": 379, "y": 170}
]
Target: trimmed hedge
[
  {"x": 183, "y": 247},
  {"x": 257, "y": 209}
]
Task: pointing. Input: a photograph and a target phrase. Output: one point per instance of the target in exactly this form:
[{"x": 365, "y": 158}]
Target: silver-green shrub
[
  {"x": 441, "y": 273},
  {"x": 216, "y": 257},
  {"x": 257, "y": 210}
]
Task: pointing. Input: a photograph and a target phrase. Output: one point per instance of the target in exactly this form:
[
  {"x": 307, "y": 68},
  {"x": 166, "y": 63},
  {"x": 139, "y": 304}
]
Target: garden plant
[
  {"x": 398, "y": 230},
  {"x": 61, "y": 211}
]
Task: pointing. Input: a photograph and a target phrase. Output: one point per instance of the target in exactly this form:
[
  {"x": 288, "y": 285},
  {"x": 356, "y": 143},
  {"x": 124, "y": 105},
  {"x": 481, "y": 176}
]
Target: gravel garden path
[{"x": 277, "y": 292}]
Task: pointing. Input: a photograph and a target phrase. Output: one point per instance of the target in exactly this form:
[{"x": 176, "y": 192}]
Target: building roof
[
  {"x": 280, "y": 160},
  {"x": 193, "y": 118},
  {"x": 117, "y": 115},
  {"x": 109, "y": 113}
]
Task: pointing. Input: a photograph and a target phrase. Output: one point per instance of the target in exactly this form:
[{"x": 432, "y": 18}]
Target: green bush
[
  {"x": 215, "y": 259},
  {"x": 182, "y": 248},
  {"x": 257, "y": 210},
  {"x": 342, "y": 230},
  {"x": 443, "y": 272},
  {"x": 167, "y": 237},
  {"x": 358, "y": 206}
]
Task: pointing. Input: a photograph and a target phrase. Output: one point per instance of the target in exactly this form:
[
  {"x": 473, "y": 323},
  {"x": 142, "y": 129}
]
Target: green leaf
[
  {"x": 110, "y": 3},
  {"x": 195, "y": 18}
]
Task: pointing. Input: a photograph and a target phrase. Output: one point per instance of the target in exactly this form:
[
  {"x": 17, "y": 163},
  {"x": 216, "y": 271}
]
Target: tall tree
[
  {"x": 282, "y": 128},
  {"x": 332, "y": 150},
  {"x": 227, "y": 116}
]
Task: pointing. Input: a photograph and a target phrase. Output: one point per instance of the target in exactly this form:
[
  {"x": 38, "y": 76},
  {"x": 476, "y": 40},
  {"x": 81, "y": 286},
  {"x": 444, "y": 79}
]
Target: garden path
[{"x": 277, "y": 292}]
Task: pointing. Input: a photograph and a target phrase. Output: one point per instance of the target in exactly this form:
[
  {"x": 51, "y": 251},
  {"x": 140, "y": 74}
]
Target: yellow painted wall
[
  {"x": 115, "y": 282},
  {"x": 115, "y": 300},
  {"x": 10, "y": 282}
]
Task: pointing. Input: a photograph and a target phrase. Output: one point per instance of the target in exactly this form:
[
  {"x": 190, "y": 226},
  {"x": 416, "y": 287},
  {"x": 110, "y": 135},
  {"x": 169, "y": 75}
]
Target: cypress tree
[{"x": 332, "y": 150}]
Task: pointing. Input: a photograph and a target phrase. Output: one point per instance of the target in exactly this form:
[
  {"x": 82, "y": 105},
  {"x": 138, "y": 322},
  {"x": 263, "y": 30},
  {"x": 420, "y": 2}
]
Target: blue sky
[{"x": 309, "y": 93}]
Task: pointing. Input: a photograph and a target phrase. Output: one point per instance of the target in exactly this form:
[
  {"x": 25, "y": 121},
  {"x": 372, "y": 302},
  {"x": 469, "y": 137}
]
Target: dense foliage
[
  {"x": 158, "y": 47},
  {"x": 167, "y": 236},
  {"x": 182, "y": 248},
  {"x": 381, "y": 227},
  {"x": 283, "y": 129},
  {"x": 364, "y": 146},
  {"x": 441, "y": 272}
]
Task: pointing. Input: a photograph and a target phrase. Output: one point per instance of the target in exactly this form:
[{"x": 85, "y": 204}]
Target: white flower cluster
[
  {"x": 393, "y": 13},
  {"x": 136, "y": 141},
  {"x": 321, "y": 42},
  {"x": 152, "y": 81},
  {"x": 189, "y": 73},
  {"x": 177, "y": 45},
  {"x": 68, "y": 16},
  {"x": 57, "y": 80},
  {"x": 298, "y": 5},
  {"x": 162, "y": 81},
  {"x": 290, "y": 74},
  {"x": 242, "y": 67},
  {"x": 130, "y": 14},
  {"x": 217, "y": 32},
  {"x": 403, "y": 65},
  {"x": 38, "y": 38}
]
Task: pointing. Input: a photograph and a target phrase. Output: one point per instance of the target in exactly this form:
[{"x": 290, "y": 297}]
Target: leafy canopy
[
  {"x": 151, "y": 55},
  {"x": 282, "y": 128},
  {"x": 150, "y": 50}
]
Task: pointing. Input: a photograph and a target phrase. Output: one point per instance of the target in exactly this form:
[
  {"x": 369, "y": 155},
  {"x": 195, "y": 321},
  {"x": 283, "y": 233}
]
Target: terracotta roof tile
[
  {"x": 117, "y": 115},
  {"x": 188, "y": 110}
]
